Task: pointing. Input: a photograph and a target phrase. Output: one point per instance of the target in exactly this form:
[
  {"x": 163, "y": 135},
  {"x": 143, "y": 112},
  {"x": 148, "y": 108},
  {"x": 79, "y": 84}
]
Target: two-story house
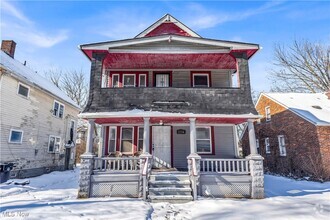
[
  {"x": 37, "y": 119},
  {"x": 175, "y": 98},
  {"x": 294, "y": 134}
]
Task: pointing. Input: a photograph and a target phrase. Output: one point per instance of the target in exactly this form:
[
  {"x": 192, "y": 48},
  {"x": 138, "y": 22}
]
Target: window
[
  {"x": 268, "y": 116},
  {"x": 112, "y": 139},
  {"x": 140, "y": 141},
  {"x": 281, "y": 145},
  {"x": 142, "y": 80},
  {"x": 201, "y": 80},
  {"x": 129, "y": 80},
  {"x": 267, "y": 146},
  {"x": 58, "y": 109},
  {"x": 72, "y": 129},
  {"x": 127, "y": 140},
  {"x": 203, "y": 140},
  {"x": 162, "y": 80},
  {"x": 54, "y": 144},
  {"x": 23, "y": 90},
  {"x": 258, "y": 146},
  {"x": 16, "y": 136},
  {"x": 115, "y": 80}
]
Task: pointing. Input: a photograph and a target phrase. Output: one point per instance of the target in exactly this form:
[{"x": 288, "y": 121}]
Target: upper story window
[
  {"x": 23, "y": 90},
  {"x": 129, "y": 80},
  {"x": 200, "y": 79},
  {"x": 143, "y": 80},
  {"x": 281, "y": 145},
  {"x": 115, "y": 81},
  {"x": 15, "y": 136},
  {"x": 162, "y": 80},
  {"x": 54, "y": 144},
  {"x": 267, "y": 112},
  {"x": 58, "y": 109},
  {"x": 267, "y": 145},
  {"x": 203, "y": 140}
]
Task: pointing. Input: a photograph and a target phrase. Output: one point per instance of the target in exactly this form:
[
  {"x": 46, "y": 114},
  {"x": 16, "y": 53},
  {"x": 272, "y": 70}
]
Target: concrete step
[
  {"x": 177, "y": 177},
  {"x": 170, "y": 198},
  {"x": 169, "y": 191},
  {"x": 169, "y": 183}
]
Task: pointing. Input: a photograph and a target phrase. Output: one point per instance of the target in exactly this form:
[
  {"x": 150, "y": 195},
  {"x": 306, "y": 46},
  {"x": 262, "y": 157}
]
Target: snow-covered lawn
[{"x": 53, "y": 196}]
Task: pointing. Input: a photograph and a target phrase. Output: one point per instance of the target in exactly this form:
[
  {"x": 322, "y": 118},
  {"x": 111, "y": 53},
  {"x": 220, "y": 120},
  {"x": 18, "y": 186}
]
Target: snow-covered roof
[
  {"x": 31, "y": 77},
  {"x": 314, "y": 107}
]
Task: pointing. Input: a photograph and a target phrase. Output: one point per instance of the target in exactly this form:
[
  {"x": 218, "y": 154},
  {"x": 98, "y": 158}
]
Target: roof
[
  {"x": 31, "y": 77},
  {"x": 314, "y": 107}
]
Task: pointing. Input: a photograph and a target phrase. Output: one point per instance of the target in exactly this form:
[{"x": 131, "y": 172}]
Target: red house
[{"x": 170, "y": 99}]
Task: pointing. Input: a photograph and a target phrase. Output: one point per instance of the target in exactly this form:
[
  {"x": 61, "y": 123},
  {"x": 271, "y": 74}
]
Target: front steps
[{"x": 173, "y": 187}]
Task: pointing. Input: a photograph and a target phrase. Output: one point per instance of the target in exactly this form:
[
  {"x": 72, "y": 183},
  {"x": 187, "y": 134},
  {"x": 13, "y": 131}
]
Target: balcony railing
[
  {"x": 237, "y": 166},
  {"x": 116, "y": 164}
]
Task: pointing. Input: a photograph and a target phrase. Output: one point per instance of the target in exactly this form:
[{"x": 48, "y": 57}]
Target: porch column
[
  {"x": 256, "y": 165},
  {"x": 192, "y": 135},
  {"x": 146, "y": 134},
  {"x": 252, "y": 138},
  {"x": 87, "y": 164},
  {"x": 90, "y": 134}
]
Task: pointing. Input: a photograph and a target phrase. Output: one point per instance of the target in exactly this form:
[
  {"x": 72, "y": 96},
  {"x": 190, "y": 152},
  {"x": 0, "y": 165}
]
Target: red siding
[{"x": 167, "y": 28}]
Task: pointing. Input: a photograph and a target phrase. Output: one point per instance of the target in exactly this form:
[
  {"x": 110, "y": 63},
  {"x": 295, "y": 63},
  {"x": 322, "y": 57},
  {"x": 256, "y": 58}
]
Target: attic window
[{"x": 317, "y": 106}]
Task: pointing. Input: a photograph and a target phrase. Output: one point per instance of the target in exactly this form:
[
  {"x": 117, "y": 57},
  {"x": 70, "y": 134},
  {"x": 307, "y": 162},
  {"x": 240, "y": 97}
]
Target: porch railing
[
  {"x": 240, "y": 166},
  {"x": 117, "y": 164}
]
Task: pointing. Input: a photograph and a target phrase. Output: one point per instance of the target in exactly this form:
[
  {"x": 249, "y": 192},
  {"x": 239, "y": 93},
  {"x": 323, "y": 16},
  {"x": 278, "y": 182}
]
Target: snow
[
  {"x": 53, "y": 196},
  {"x": 142, "y": 113},
  {"x": 32, "y": 77},
  {"x": 302, "y": 104}
]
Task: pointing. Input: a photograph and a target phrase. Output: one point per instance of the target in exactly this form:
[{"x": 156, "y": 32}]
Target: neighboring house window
[
  {"x": 72, "y": 129},
  {"x": 127, "y": 140},
  {"x": 140, "y": 142},
  {"x": 267, "y": 146},
  {"x": 23, "y": 90},
  {"x": 58, "y": 109},
  {"x": 268, "y": 116},
  {"x": 112, "y": 139},
  {"x": 258, "y": 146},
  {"x": 281, "y": 145},
  {"x": 201, "y": 80},
  {"x": 142, "y": 80},
  {"x": 15, "y": 136},
  {"x": 162, "y": 80},
  {"x": 54, "y": 144},
  {"x": 129, "y": 80},
  {"x": 203, "y": 140},
  {"x": 115, "y": 81}
]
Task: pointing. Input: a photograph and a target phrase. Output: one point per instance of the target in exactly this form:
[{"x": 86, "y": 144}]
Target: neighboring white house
[{"x": 37, "y": 120}]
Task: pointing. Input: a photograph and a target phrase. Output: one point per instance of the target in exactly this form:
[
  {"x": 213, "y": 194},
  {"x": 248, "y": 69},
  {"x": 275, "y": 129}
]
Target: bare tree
[
  {"x": 302, "y": 67},
  {"x": 73, "y": 83}
]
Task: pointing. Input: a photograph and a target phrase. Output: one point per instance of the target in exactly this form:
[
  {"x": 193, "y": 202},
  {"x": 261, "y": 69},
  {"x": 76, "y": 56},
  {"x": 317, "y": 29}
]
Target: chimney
[{"x": 8, "y": 46}]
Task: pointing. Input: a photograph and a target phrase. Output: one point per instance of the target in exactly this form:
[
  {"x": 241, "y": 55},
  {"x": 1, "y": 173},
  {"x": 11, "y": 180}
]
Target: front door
[{"x": 161, "y": 146}]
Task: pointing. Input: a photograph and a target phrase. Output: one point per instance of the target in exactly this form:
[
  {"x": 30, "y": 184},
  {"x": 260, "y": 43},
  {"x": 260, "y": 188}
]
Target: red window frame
[{"x": 121, "y": 74}]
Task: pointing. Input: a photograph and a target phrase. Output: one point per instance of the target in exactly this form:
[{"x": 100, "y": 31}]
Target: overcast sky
[{"x": 48, "y": 33}]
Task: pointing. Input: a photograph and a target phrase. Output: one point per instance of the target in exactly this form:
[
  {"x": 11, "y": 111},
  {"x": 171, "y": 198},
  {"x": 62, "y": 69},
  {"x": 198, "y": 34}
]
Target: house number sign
[{"x": 181, "y": 131}]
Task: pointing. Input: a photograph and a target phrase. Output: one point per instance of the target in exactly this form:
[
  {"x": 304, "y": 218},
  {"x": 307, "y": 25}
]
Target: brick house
[
  {"x": 169, "y": 100},
  {"x": 37, "y": 120},
  {"x": 294, "y": 134}
]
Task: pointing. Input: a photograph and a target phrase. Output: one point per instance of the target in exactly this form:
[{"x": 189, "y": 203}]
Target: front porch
[{"x": 200, "y": 159}]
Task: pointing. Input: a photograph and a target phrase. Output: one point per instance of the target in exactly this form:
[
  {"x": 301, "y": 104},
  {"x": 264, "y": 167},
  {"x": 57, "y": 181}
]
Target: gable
[{"x": 167, "y": 28}]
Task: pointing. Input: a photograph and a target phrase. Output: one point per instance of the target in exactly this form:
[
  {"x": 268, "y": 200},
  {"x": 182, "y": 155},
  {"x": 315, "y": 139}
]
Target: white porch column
[
  {"x": 252, "y": 138},
  {"x": 192, "y": 135},
  {"x": 90, "y": 134},
  {"x": 146, "y": 135}
]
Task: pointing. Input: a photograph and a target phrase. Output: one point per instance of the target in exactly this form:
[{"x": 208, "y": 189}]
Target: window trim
[
  {"x": 10, "y": 135},
  {"x": 267, "y": 113},
  {"x": 111, "y": 78},
  {"x": 267, "y": 149},
  {"x": 59, "y": 106},
  {"x": 145, "y": 75},
  {"x": 200, "y": 73},
  {"x": 129, "y": 74},
  {"x": 211, "y": 140},
  {"x": 24, "y": 85},
  {"x": 279, "y": 145},
  {"x": 121, "y": 138},
  {"x": 110, "y": 127},
  {"x": 54, "y": 151}
]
